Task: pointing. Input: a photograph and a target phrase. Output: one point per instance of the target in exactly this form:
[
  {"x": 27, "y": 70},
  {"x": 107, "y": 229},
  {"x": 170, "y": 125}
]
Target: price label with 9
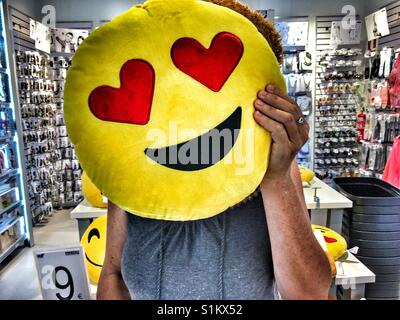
[{"x": 62, "y": 273}]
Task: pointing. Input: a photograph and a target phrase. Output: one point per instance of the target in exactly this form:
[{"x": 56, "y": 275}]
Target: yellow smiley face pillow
[
  {"x": 94, "y": 243},
  {"x": 159, "y": 106}
]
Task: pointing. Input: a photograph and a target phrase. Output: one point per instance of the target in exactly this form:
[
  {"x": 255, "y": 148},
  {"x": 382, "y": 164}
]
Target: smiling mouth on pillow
[
  {"x": 203, "y": 151},
  {"x": 93, "y": 263}
]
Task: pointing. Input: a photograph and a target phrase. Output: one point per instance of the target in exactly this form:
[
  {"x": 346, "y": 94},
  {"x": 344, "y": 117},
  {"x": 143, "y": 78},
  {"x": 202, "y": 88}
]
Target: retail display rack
[
  {"x": 298, "y": 68},
  {"x": 52, "y": 169},
  {"x": 379, "y": 123},
  {"x": 15, "y": 222},
  {"x": 337, "y": 101}
]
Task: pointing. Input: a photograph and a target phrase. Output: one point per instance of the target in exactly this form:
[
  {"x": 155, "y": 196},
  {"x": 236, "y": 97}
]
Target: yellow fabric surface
[
  {"x": 91, "y": 193},
  {"x": 112, "y": 154},
  {"x": 94, "y": 243},
  {"x": 337, "y": 248}
]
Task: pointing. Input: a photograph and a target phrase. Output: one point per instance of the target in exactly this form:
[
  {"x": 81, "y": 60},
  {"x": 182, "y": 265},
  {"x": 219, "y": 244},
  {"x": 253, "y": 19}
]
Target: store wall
[
  {"x": 307, "y": 7},
  {"x": 88, "y": 10},
  {"x": 30, "y": 7},
  {"x": 375, "y": 5},
  {"x": 97, "y": 10}
]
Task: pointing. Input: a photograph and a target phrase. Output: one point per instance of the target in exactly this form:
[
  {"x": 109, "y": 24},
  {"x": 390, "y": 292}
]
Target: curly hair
[{"x": 264, "y": 26}]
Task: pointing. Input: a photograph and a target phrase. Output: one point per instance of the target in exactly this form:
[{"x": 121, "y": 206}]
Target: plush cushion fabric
[
  {"x": 91, "y": 193},
  {"x": 144, "y": 86}
]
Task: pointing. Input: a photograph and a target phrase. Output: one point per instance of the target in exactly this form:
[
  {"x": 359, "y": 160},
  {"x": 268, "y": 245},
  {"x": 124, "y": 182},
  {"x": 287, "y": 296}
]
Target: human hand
[{"x": 282, "y": 117}]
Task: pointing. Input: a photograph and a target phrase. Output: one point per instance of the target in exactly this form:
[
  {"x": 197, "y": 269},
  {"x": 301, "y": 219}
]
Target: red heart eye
[
  {"x": 131, "y": 103},
  {"x": 211, "y": 67}
]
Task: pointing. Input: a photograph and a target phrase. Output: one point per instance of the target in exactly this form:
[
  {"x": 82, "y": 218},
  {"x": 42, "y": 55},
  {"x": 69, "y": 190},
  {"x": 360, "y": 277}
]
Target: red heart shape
[
  {"x": 132, "y": 102},
  {"x": 330, "y": 240},
  {"x": 211, "y": 67}
]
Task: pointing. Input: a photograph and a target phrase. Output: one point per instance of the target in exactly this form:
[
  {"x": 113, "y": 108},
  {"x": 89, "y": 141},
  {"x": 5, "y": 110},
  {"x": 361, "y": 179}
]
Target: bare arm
[
  {"x": 296, "y": 178},
  {"x": 302, "y": 270},
  {"x": 111, "y": 285}
]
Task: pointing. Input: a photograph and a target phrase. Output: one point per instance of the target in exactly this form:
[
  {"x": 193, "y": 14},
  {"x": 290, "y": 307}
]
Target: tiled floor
[{"x": 18, "y": 279}]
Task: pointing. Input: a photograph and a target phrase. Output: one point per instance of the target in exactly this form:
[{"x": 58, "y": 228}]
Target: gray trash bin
[{"x": 373, "y": 225}]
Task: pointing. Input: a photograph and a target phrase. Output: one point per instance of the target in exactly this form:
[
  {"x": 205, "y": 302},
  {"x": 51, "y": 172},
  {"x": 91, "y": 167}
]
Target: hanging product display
[
  {"x": 52, "y": 169},
  {"x": 68, "y": 168},
  {"x": 337, "y": 104},
  {"x": 36, "y": 96},
  {"x": 293, "y": 33},
  {"x": 297, "y": 68},
  {"x": 48, "y": 151},
  {"x": 379, "y": 121}
]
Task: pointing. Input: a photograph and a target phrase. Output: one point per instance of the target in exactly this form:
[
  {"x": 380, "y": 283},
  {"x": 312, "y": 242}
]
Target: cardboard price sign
[{"x": 62, "y": 273}]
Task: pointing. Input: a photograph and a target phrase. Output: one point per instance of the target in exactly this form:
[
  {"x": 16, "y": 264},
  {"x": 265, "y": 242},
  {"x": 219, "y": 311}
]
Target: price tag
[{"x": 62, "y": 273}]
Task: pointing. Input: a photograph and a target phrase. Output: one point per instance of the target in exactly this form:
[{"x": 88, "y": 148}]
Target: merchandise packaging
[
  {"x": 5, "y": 159},
  {"x": 147, "y": 87}
]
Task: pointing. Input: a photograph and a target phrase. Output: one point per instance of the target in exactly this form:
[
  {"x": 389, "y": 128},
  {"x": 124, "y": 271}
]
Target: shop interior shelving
[
  {"x": 304, "y": 160},
  {"x": 323, "y": 45},
  {"x": 47, "y": 185},
  {"x": 15, "y": 221}
]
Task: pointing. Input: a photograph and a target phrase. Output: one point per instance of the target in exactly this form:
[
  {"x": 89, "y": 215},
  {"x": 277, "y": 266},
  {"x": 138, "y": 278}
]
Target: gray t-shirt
[{"x": 226, "y": 257}]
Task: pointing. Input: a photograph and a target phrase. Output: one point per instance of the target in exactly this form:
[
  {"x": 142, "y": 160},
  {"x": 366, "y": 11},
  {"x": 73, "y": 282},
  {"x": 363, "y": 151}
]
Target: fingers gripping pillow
[{"x": 159, "y": 105}]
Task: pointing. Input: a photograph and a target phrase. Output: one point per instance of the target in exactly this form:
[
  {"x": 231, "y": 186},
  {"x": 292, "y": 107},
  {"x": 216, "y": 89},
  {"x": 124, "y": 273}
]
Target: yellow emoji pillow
[
  {"x": 159, "y": 105},
  {"x": 91, "y": 193},
  {"x": 335, "y": 243},
  {"x": 94, "y": 243}
]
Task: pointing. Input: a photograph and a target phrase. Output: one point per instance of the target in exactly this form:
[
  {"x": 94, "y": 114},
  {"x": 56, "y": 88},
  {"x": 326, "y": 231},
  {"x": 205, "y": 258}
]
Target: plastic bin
[
  {"x": 373, "y": 224},
  {"x": 369, "y": 192}
]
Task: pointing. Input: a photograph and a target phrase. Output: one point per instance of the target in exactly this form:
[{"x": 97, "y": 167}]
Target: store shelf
[
  {"x": 8, "y": 251},
  {"x": 62, "y": 54},
  {"x": 329, "y": 197},
  {"x": 85, "y": 210},
  {"x": 4, "y": 104},
  {"x": 9, "y": 224},
  {"x": 5, "y": 139},
  {"x": 350, "y": 271},
  {"x": 341, "y": 68},
  {"x": 10, "y": 174},
  {"x": 339, "y": 94},
  {"x": 10, "y": 207},
  {"x": 293, "y": 49}
]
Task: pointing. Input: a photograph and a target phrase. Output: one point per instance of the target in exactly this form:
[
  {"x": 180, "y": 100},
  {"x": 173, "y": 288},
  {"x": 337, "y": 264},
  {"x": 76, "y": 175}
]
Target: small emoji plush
[
  {"x": 335, "y": 243},
  {"x": 91, "y": 193},
  {"x": 94, "y": 244},
  {"x": 159, "y": 106},
  {"x": 307, "y": 175}
]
